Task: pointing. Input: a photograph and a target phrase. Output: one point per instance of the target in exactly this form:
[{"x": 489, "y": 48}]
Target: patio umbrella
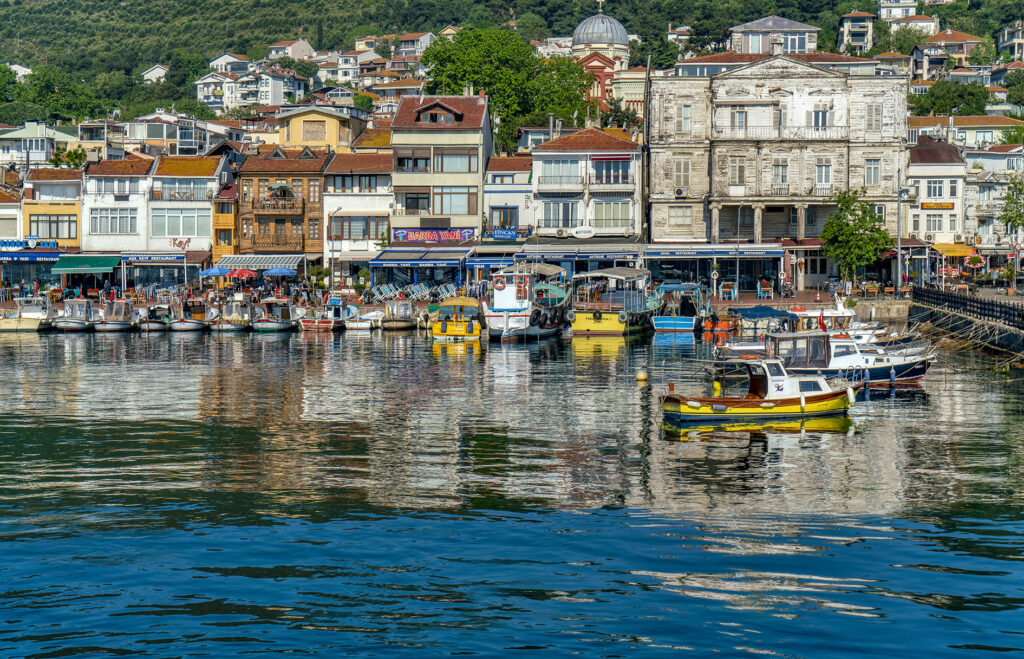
[
  {"x": 279, "y": 186},
  {"x": 279, "y": 272},
  {"x": 214, "y": 272},
  {"x": 244, "y": 274}
]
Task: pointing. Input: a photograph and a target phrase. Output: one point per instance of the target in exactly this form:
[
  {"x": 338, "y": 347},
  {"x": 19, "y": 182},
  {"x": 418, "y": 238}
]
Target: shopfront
[
  {"x": 21, "y": 265},
  {"x": 162, "y": 269},
  {"x": 407, "y": 266},
  {"x": 742, "y": 263}
]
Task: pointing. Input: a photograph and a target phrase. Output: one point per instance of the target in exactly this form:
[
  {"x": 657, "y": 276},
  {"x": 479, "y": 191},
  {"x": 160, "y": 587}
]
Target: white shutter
[
  {"x": 678, "y": 168},
  {"x": 685, "y": 173}
]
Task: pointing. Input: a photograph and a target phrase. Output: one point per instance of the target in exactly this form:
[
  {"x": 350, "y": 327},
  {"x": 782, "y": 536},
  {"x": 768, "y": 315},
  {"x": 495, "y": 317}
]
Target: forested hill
[{"x": 87, "y": 37}]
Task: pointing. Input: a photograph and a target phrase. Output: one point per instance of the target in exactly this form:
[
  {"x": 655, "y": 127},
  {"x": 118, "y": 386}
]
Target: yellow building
[
  {"x": 320, "y": 127},
  {"x": 51, "y": 207},
  {"x": 225, "y": 218}
]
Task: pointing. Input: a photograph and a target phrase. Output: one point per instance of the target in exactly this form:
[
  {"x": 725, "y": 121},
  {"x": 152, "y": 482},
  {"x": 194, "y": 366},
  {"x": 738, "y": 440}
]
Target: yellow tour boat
[
  {"x": 459, "y": 319},
  {"x": 773, "y": 393},
  {"x": 610, "y": 302}
]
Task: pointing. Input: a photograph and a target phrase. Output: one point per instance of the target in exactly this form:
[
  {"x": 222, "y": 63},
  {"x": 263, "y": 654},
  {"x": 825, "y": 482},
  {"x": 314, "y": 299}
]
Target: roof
[
  {"x": 404, "y": 83},
  {"x": 1002, "y": 148},
  {"x": 282, "y": 44},
  {"x": 588, "y": 139},
  {"x": 55, "y": 175},
  {"x": 774, "y": 23},
  {"x": 916, "y": 18},
  {"x": 412, "y": 35},
  {"x": 600, "y": 29},
  {"x": 471, "y": 108},
  {"x": 8, "y": 198},
  {"x": 228, "y": 192},
  {"x": 263, "y": 162},
  {"x": 981, "y": 120},
  {"x": 892, "y": 55},
  {"x": 934, "y": 152},
  {"x": 732, "y": 57},
  {"x": 370, "y": 163},
  {"x": 857, "y": 14},
  {"x": 951, "y": 36},
  {"x": 510, "y": 164},
  {"x": 996, "y": 88},
  {"x": 372, "y": 138},
  {"x": 119, "y": 168},
  {"x": 205, "y": 166}
]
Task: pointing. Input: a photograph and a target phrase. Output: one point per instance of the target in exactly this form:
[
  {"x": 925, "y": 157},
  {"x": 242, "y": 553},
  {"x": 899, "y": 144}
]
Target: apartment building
[
  {"x": 893, "y": 10},
  {"x": 856, "y": 32},
  {"x": 51, "y": 206},
  {"x": 115, "y": 205},
  {"x": 508, "y": 198},
  {"x": 357, "y": 211},
  {"x": 937, "y": 175},
  {"x": 1010, "y": 40}
]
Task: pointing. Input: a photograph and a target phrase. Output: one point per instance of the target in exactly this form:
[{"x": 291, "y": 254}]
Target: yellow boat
[
  {"x": 610, "y": 302},
  {"x": 459, "y": 319},
  {"x": 833, "y": 425},
  {"x": 773, "y": 394}
]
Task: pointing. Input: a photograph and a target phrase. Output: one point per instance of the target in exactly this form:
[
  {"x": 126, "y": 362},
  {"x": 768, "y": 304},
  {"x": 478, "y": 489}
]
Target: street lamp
[{"x": 900, "y": 196}]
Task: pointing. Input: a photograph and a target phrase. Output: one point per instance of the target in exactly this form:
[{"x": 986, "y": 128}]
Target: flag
[{"x": 821, "y": 321}]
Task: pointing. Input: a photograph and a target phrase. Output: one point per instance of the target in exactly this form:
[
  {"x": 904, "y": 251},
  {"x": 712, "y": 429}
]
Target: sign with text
[
  {"x": 433, "y": 235},
  {"x": 504, "y": 234},
  {"x": 583, "y": 231},
  {"x": 937, "y": 206}
]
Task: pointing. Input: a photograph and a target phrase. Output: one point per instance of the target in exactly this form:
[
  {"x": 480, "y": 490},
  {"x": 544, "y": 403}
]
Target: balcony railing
[
  {"x": 780, "y": 132},
  {"x": 560, "y": 181},
  {"x": 623, "y": 181},
  {"x": 823, "y": 190},
  {"x": 780, "y": 190},
  {"x": 181, "y": 195},
  {"x": 412, "y": 170},
  {"x": 411, "y": 211},
  {"x": 273, "y": 241},
  {"x": 279, "y": 206}
]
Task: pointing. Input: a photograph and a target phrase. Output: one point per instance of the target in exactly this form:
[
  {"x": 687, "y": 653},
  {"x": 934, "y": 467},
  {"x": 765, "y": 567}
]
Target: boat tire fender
[
  {"x": 767, "y": 405},
  {"x": 623, "y": 317},
  {"x": 851, "y": 395},
  {"x": 570, "y": 315},
  {"x": 597, "y": 316},
  {"x": 534, "y": 317},
  {"x": 803, "y": 402}
]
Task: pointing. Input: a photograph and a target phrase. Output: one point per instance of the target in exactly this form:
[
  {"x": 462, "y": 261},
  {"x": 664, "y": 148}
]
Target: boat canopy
[
  {"x": 622, "y": 274},
  {"x": 759, "y": 312},
  {"x": 800, "y": 349},
  {"x": 682, "y": 288},
  {"x": 536, "y": 268}
]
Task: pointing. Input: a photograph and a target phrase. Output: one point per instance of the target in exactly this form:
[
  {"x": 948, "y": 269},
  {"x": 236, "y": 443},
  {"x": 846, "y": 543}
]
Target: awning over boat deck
[
  {"x": 953, "y": 249},
  {"x": 79, "y": 264},
  {"x": 444, "y": 257},
  {"x": 721, "y": 250},
  {"x": 260, "y": 261}
]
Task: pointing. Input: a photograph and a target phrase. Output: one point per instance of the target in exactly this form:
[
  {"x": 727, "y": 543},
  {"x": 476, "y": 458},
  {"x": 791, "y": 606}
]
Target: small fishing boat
[
  {"x": 364, "y": 322},
  {"x": 276, "y": 314},
  {"x": 117, "y": 316},
  {"x": 398, "y": 315},
  {"x": 330, "y": 318},
  {"x": 234, "y": 315},
  {"x": 681, "y": 307},
  {"x": 685, "y": 430},
  {"x": 610, "y": 302},
  {"x": 823, "y": 354},
  {"x": 155, "y": 318},
  {"x": 79, "y": 316},
  {"x": 191, "y": 315},
  {"x": 31, "y": 314},
  {"x": 459, "y": 319},
  {"x": 522, "y": 307},
  {"x": 773, "y": 393}
]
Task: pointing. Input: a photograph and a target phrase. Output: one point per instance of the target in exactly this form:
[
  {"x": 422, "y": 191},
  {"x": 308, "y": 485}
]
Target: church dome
[{"x": 600, "y": 29}]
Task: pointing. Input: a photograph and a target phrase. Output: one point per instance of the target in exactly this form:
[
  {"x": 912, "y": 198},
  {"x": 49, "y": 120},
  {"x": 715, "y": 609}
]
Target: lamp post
[{"x": 900, "y": 195}]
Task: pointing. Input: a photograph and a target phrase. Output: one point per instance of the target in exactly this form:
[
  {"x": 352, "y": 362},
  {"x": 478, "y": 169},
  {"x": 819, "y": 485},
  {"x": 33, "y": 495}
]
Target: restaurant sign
[
  {"x": 937, "y": 206},
  {"x": 432, "y": 235}
]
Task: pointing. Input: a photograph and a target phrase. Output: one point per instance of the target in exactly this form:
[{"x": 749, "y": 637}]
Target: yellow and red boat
[
  {"x": 610, "y": 302},
  {"x": 459, "y": 319},
  {"x": 773, "y": 393}
]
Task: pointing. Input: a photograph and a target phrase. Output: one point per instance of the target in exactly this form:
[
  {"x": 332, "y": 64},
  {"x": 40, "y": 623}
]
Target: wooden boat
[
  {"x": 234, "y": 315},
  {"x": 117, "y": 316},
  {"x": 682, "y": 307},
  {"x": 330, "y": 318},
  {"x": 522, "y": 307},
  {"x": 398, "y": 315},
  {"x": 839, "y": 356},
  {"x": 276, "y": 314},
  {"x": 459, "y": 319},
  {"x": 190, "y": 315},
  {"x": 684, "y": 430},
  {"x": 610, "y": 302},
  {"x": 773, "y": 393},
  {"x": 31, "y": 314},
  {"x": 155, "y": 318},
  {"x": 79, "y": 316},
  {"x": 365, "y": 321}
]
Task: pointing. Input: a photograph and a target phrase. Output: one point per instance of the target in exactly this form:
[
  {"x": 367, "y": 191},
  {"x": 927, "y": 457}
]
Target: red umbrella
[{"x": 244, "y": 274}]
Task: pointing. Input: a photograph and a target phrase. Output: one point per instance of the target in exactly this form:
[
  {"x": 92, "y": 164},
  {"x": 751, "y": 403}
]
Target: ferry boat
[
  {"x": 330, "y": 318},
  {"x": 155, "y": 318},
  {"x": 521, "y": 307},
  {"x": 191, "y": 315},
  {"x": 233, "y": 315},
  {"x": 682, "y": 307},
  {"x": 459, "y": 319},
  {"x": 398, "y": 315},
  {"x": 276, "y": 314},
  {"x": 611, "y": 302},
  {"x": 31, "y": 314},
  {"x": 773, "y": 393},
  {"x": 79, "y": 316},
  {"x": 117, "y": 316}
]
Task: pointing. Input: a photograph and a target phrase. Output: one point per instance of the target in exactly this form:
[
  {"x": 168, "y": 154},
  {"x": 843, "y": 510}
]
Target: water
[{"x": 179, "y": 496}]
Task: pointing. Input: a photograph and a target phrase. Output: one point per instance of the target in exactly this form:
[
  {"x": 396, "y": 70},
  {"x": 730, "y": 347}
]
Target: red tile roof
[
  {"x": 411, "y": 35},
  {"x": 282, "y": 44},
  {"x": 996, "y": 88},
  {"x": 588, "y": 139},
  {"x": 857, "y": 14},
  {"x": 8, "y": 198},
  {"x": 916, "y": 18},
  {"x": 370, "y": 163},
  {"x": 510, "y": 164},
  {"x": 404, "y": 83},
  {"x": 204, "y": 166},
  {"x": 951, "y": 36},
  {"x": 471, "y": 110},
  {"x": 892, "y": 55},
  {"x": 228, "y": 192},
  {"x": 119, "y": 168},
  {"x": 1003, "y": 148},
  {"x": 373, "y": 138},
  {"x": 55, "y": 175},
  {"x": 982, "y": 120},
  {"x": 292, "y": 163}
]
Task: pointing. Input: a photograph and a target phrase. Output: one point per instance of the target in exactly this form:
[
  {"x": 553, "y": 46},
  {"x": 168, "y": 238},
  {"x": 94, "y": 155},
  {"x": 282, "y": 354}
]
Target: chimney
[
  {"x": 776, "y": 45},
  {"x": 558, "y": 128}
]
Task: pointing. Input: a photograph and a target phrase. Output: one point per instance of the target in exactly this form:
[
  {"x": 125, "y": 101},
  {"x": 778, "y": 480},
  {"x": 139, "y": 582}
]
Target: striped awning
[{"x": 260, "y": 261}]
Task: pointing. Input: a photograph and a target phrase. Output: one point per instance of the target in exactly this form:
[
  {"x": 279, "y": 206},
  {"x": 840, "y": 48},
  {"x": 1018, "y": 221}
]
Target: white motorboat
[
  {"x": 275, "y": 314},
  {"x": 116, "y": 316},
  {"x": 191, "y": 315},
  {"x": 31, "y": 314},
  {"x": 521, "y": 307},
  {"x": 79, "y": 316},
  {"x": 155, "y": 318},
  {"x": 234, "y": 315}
]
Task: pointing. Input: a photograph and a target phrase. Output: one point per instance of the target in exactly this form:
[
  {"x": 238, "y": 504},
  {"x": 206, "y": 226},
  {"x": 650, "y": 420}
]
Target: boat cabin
[
  {"x": 399, "y": 310},
  {"x": 769, "y": 380},
  {"x": 34, "y": 307},
  {"x": 811, "y": 320},
  {"x": 79, "y": 308},
  {"x": 799, "y": 350},
  {"x": 118, "y": 311},
  {"x": 517, "y": 287},
  {"x": 611, "y": 289},
  {"x": 460, "y": 308},
  {"x": 687, "y": 299},
  {"x": 192, "y": 309},
  {"x": 279, "y": 308}
]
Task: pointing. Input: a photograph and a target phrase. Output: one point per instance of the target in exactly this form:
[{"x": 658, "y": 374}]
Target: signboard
[
  {"x": 143, "y": 258},
  {"x": 937, "y": 206},
  {"x": 503, "y": 234},
  {"x": 583, "y": 232},
  {"x": 433, "y": 235}
]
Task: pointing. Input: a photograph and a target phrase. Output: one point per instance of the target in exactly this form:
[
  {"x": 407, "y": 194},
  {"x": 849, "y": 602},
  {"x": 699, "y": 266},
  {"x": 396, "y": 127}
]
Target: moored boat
[
  {"x": 117, "y": 316},
  {"x": 364, "y": 321},
  {"x": 398, "y": 315},
  {"x": 459, "y": 319},
  {"x": 521, "y": 307},
  {"x": 276, "y": 314},
  {"x": 233, "y": 315},
  {"x": 154, "y": 318},
  {"x": 831, "y": 356},
  {"x": 31, "y": 314},
  {"x": 773, "y": 393},
  {"x": 330, "y": 318},
  {"x": 682, "y": 307},
  {"x": 191, "y": 315},
  {"x": 612, "y": 301},
  {"x": 79, "y": 316}
]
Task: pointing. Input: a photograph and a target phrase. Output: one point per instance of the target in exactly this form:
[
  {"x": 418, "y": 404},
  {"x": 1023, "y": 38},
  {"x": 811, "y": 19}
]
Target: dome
[{"x": 599, "y": 29}]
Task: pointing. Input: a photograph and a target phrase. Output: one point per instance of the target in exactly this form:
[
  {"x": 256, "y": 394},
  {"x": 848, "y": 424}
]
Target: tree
[
  {"x": 306, "y": 68},
  {"x": 948, "y": 97},
  {"x": 983, "y": 54},
  {"x": 53, "y": 90},
  {"x": 73, "y": 158},
  {"x": 901, "y": 40},
  {"x": 363, "y": 102},
  {"x": 18, "y": 112},
  {"x": 8, "y": 84},
  {"x": 114, "y": 85},
  {"x": 618, "y": 115},
  {"x": 1012, "y": 214},
  {"x": 1013, "y": 135},
  {"x": 854, "y": 235},
  {"x": 531, "y": 27},
  {"x": 1014, "y": 84},
  {"x": 383, "y": 49},
  {"x": 239, "y": 112}
]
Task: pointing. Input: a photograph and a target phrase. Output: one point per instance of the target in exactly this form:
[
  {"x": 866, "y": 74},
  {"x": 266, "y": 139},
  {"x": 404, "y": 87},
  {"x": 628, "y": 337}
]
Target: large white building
[
  {"x": 938, "y": 176},
  {"x": 358, "y": 202}
]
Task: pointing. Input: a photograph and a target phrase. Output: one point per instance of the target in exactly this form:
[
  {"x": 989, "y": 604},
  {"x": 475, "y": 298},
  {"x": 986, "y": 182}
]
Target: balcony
[
  {"x": 822, "y": 190},
  {"x": 274, "y": 242},
  {"x": 624, "y": 182},
  {"x": 780, "y": 132},
  {"x": 279, "y": 207},
  {"x": 780, "y": 190},
  {"x": 560, "y": 184},
  {"x": 411, "y": 211},
  {"x": 181, "y": 195}
]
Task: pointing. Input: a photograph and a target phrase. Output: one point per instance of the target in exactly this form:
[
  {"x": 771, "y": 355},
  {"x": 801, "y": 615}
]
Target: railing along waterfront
[{"x": 1008, "y": 313}]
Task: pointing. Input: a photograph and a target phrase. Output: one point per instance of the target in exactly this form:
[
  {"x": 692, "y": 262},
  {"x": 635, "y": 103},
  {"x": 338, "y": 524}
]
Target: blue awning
[
  {"x": 434, "y": 258},
  {"x": 28, "y": 257},
  {"x": 481, "y": 262},
  {"x": 704, "y": 251}
]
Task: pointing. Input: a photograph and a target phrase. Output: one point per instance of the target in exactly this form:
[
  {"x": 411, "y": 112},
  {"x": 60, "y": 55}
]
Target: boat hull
[
  {"x": 152, "y": 326},
  {"x": 23, "y": 324},
  {"x": 674, "y": 323},
  {"x": 608, "y": 323},
  {"x": 326, "y": 325},
  {"x": 396, "y": 324},
  {"x": 72, "y": 325},
  {"x": 456, "y": 330},
  {"x": 228, "y": 327},
  {"x": 906, "y": 372},
  {"x": 184, "y": 325},
  {"x": 266, "y": 325},
  {"x": 112, "y": 326},
  {"x": 681, "y": 408}
]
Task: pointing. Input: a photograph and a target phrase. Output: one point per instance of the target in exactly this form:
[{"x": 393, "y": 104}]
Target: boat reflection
[{"x": 682, "y": 431}]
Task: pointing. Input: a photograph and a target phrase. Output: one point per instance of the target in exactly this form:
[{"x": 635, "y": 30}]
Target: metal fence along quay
[{"x": 1011, "y": 314}]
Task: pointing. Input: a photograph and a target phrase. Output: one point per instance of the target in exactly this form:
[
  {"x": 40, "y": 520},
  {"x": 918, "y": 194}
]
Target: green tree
[
  {"x": 363, "y": 102},
  {"x": 239, "y": 112},
  {"x": 948, "y": 97},
  {"x": 1012, "y": 214},
  {"x": 901, "y": 40},
  {"x": 306, "y": 68},
  {"x": 983, "y": 54},
  {"x": 618, "y": 115},
  {"x": 854, "y": 235},
  {"x": 1014, "y": 84},
  {"x": 383, "y": 49},
  {"x": 531, "y": 27},
  {"x": 1013, "y": 135},
  {"x": 18, "y": 112},
  {"x": 114, "y": 85},
  {"x": 8, "y": 84},
  {"x": 71, "y": 158},
  {"x": 54, "y": 90}
]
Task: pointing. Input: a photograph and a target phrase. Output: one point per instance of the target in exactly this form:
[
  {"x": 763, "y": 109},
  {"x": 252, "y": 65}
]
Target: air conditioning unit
[
  {"x": 560, "y": 233},
  {"x": 912, "y": 195},
  {"x": 680, "y": 193},
  {"x": 977, "y": 240},
  {"x": 929, "y": 237},
  {"x": 915, "y": 236},
  {"x": 958, "y": 238}
]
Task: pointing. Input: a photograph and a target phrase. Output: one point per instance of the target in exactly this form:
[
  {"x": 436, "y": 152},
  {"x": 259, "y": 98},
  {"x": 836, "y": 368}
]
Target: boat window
[
  {"x": 808, "y": 323},
  {"x": 758, "y": 383},
  {"x": 816, "y": 356},
  {"x": 843, "y": 350},
  {"x": 775, "y": 370},
  {"x": 450, "y": 311},
  {"x": 843, "y": 323},
  {"x": 807, "y": 386}
]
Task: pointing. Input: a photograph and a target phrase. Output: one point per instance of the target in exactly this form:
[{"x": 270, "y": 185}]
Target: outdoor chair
[{"x": 727, "y": 291}]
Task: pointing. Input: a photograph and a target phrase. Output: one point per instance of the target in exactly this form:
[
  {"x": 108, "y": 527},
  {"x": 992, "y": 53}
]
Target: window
[
  {"x": 611, "y": 171},
  {"x": 678, "y": 216},
  {"x": 915, "y": 222},
  {"x": 417, "y": 203},
  {"x": 358, "y": 227},
  {"x": 611, "y": 214},
  {"x": 819, "y": 116},
  {"x": 738, "y": 117},
  {"x": 296, "y": 188},
  {"x": 682, "y": 118},
  {"x": 561, "y": 214},
  {"x": 737, "y": 170},
  {"x": 560, "y": 171},
  {"x": 455, "y": 200},
  {"x": 880, "y": 211},
  {"x": 754, "y": 43},
  {"x": 780, "y": 171},
  {"x": 112, "y": 221},
  {"x": 296, "y": 228},
  {"x": 745, "y": 216},
  {"x": 502, "y": 178},
  {"x": 314, "y": 131},
  {"x": 344, "y": 183},
  {"x": 934, "y": 221},
  {"x": 184, "y": 189},
  {"x": 436, "y": 117},
  {"x": 56, "y": 192},
  {"x": 455, "y": 162},
  {"x": 53, "y": 226},
  {"x": 872, "y": 167},
  {"x": 246, "y": 189},
  {"x": 184, "y": 222},
  {"x": 823, "y": 171},
  {"x": 314, "y": 191},
  {"x": 778, "y": 116},
  {"x": 247, "y": 227},
  {"x": 795, "y": 43},
  {"x": 952, "y": 188},
  {"x": 314, "y": 227},
  {"x": 505, "y": 217},
  {"x": 935, "y": 188},
  {"x": 107, "y": 185},
  {"x": 809, "y": 218},
  {"x": 682, "y": 172},
  {"x": 874, "y": 117},
  {"x": 368, "y": 183},
  {"x": 809, "y": 386},
  {"x": 416, "y": 160},
  {"x": 225, "y": 207}
]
